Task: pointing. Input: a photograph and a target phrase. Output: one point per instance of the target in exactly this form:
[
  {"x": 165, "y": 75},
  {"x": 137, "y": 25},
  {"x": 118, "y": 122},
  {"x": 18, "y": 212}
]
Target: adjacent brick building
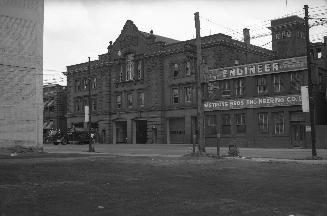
[
  {"x": 144, "y": 89},
  {"x": 260, "y": 105},
  {"x": 55, "y": 108}
]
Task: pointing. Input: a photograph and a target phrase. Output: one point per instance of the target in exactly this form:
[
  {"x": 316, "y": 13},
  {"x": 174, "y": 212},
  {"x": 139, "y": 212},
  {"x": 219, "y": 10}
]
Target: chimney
[
  {"x": 246, "y": 35},
  {"x": 151, "y": 38}
]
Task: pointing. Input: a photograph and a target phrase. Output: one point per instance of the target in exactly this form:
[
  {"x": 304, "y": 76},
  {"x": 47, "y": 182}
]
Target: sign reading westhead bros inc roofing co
[
  {"x": 268, "y": 67},
  {"x": 288, "y": 100}
]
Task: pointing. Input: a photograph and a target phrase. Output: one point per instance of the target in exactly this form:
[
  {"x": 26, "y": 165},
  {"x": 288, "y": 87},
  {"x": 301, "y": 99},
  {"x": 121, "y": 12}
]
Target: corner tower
[{"x": 288, "y": 36}]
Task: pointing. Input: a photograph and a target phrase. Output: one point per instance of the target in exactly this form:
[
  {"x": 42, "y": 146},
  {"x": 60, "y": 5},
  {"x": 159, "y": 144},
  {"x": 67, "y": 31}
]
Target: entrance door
[
  {"x": 297, "y": 135},
  {"x": 141, "y": 131},
  {"x": 121, "y": 132}
]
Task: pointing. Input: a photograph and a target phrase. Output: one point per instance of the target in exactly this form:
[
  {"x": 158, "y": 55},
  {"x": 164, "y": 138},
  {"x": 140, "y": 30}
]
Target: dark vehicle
[
  {"x": 60, "y": 137},
  {"x": 78, "y": 137}
]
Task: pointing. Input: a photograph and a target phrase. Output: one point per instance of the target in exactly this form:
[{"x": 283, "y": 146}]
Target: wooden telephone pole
[
  {"x": 91, "y": 147},
  {"x": 310, "y": 85},
  {"x": 199, "y": 74}
]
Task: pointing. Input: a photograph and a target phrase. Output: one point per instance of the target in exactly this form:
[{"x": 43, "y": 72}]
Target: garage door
[{"x": 177, "y": 130}]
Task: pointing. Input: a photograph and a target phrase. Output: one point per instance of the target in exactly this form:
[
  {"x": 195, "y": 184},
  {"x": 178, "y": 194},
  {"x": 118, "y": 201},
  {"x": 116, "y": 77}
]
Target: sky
[{"x": 77, "y": 29}]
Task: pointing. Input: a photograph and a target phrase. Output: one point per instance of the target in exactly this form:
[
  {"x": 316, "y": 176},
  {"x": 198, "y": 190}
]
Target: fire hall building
[{"x": 144, "y": 87}]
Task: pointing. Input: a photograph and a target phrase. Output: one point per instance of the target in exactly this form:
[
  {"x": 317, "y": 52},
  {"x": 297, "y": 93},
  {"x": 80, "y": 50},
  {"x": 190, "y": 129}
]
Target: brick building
[
  {"x": 55, "y": 108},
  {"x": 260, "y": 105},
  {"x": 145, "y": 89}
]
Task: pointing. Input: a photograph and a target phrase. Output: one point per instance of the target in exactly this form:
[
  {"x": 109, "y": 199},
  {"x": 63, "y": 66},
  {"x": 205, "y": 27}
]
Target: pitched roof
[{"x": 160, "y": 38}]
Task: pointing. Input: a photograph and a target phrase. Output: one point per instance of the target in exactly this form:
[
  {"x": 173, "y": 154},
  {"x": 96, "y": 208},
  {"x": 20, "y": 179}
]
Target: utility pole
[
  {"x": 91, "y": 148},
  {"x": 310, "y": 85},
  {"x": 200, "y": 110}
]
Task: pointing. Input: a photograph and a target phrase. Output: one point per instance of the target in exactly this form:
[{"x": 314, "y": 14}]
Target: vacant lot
[{"x": 112, "y": 185}]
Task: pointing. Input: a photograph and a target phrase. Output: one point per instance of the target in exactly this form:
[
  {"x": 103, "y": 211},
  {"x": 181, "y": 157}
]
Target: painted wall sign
[
  {"x": 242, "y": 103},
  {"x": 268, "y": 67}
]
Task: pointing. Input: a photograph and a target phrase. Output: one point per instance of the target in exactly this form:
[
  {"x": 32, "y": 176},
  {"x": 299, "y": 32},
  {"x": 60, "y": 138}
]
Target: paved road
[{"x": 171, "y": 150}]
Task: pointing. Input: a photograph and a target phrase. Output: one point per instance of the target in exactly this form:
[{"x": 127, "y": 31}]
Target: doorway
[
  {"x": 297, "y": 135},
  {"x": 141, "y": 131},
  {"x": 121, "y": 132}
]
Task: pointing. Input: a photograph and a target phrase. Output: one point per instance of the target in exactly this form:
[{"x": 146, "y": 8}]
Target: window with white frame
[
  {"x": 188, "y": 68},
  {"x": 263, "y": 122},
  {"x": 239, "y": 87},
  {"x": 278, "y": 120},
  {"x": 118, "y": 101},
  {"x": 240, "y": 122},
  {"x": 94, "y": 82},
  {"x": 295, "y": 81},
  {"x": 262, "y": 85},
  {"x": 139, "y": 70},
  {"x": 226, "y": 124},
  {"x": 129, "y": 67},
  {"x": 130, "y": 100},
  {"x": 211, "y": 125},
  {"x": 175, "y": 71},
  {"x": 225, "y": 87},
  {"x": 94, "y": 104},
  {"x": 86, "y": 83},
  {"x": 121, "y": 73},
  {"x": 277, "y": 83},
  {"x": 141, "y": 99},
  {"x": 188, "y": 94},
  {"x": 175, "y": 94}
]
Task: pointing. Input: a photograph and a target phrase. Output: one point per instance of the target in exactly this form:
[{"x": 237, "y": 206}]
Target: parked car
[
  {"x": 60, "y": 138},
  {"x": 79, "y": 137}
]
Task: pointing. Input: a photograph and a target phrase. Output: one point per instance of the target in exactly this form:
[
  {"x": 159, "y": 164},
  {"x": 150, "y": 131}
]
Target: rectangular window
[
  {"x": 226, "y": 124},
  {"x": 118, "y": 101},
  {"x": 130, "y": 67},
  {"x": 79, "y": 87},
  {"x": 121, "y": 74},
  {"x": 188, "y": 94},
  {"x": 262, "y": 85},
  {"x": 139, "y": 70},
  {"x": 211, "y": 124},
  {"x": 76, "y": 85},
  {"x": 188, "y": 68},
  {"x": 295, "y": 81},
  {"x": 277, "y": 83},
  {"x": 279, "y": 125},
  {"x": 225, "y": 87},
  {"x": 175, "y": 94},
  {"x": 94, "y": 82},
  {"x": 141, "y": 99},
  {"x": 77, "y": 106},
  {"x": 130, "y": 100},
  {"x": 240, "y": 123},
  {"x": 94, "y": 104},
  {"x": 263, "y": 122},
  {"x": 175, "y": 71},
  {"x": 239, "y": 87},
  {"x": 86, "y": 82}
]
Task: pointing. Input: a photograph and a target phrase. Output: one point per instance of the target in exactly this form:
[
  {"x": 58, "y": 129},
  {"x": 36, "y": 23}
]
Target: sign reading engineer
[
  {"x": 277, "y": 66},
  {"x": 288, "y": 100}
]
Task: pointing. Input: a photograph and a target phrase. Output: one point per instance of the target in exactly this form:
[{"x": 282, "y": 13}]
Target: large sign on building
[
  {"x": 242, "y": 103},
  {"x": 268, "y": 67}
]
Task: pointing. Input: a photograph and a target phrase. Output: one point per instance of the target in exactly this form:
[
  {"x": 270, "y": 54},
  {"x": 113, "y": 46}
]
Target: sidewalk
[{"x": 178, "y": 150}]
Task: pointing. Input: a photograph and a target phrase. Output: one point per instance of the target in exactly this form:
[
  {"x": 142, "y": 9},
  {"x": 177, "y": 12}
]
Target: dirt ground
[{"x": 114, "y": 185}]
